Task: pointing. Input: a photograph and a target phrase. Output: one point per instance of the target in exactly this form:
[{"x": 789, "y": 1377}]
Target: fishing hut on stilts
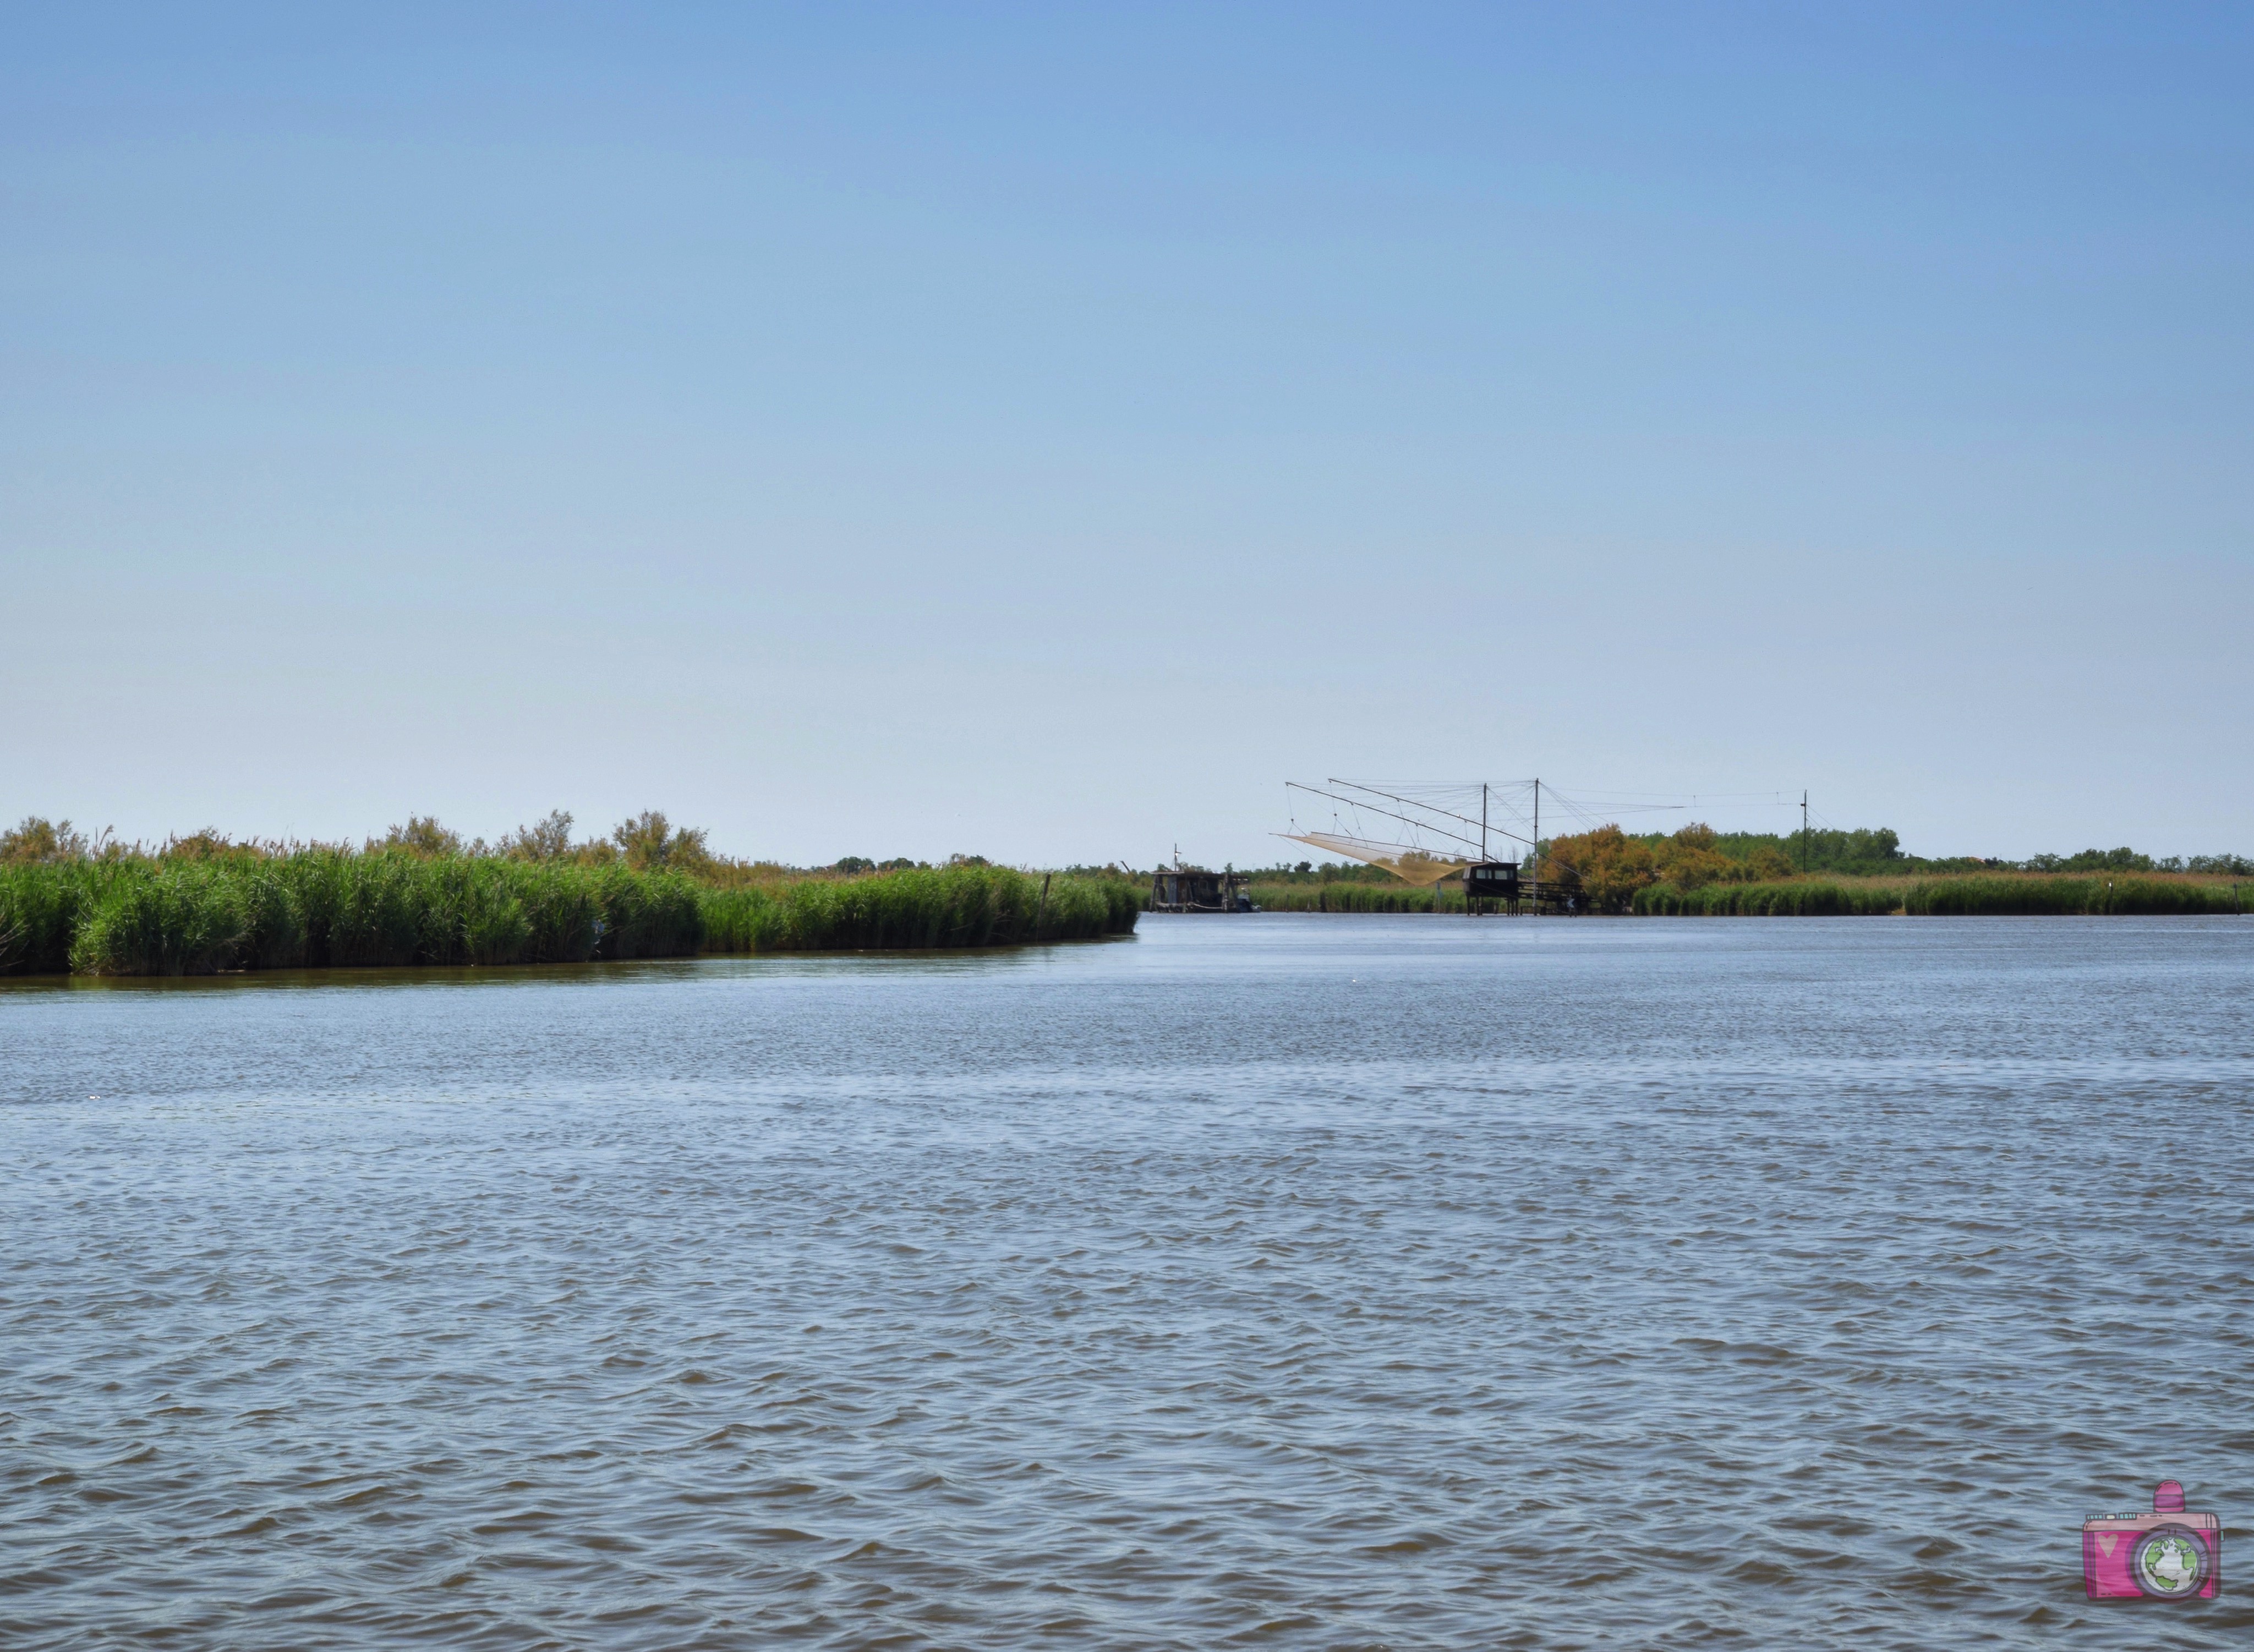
[
  {"x": 1181, "y": 888},
  {"x": 1436, "y": 836}
]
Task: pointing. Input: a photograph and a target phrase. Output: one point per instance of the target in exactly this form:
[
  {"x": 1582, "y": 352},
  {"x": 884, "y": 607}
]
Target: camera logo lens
[{"x": 2169, "y": 1563}]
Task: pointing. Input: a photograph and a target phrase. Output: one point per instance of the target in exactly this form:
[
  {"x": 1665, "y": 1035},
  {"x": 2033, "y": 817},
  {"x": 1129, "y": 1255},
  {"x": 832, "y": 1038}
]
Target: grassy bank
[
  {"x": 1392, "y": 896},
  {"x": 2004, "y": 894},
  {"x": 939, "y": 906},
  {"x": 1785, "y": 898},
  {"x": 330, "y": 907},
  {"x": 2036, "y": 894}
]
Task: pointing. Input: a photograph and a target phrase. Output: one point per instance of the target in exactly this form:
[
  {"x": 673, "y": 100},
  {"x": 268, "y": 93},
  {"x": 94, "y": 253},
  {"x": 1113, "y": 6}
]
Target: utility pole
[
  {"x": 1804, "y": 845},
  {"x": 1534, "y": 883},
  {"x": 1467, "y": 882}
]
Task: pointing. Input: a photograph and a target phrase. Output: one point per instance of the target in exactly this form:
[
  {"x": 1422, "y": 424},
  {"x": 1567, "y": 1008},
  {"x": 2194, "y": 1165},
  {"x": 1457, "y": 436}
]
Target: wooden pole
[{"x": 1534, "y": 888}]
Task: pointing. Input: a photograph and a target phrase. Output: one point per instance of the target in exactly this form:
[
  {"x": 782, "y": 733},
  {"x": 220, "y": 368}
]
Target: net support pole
[
  {"x": 1483, "y": 855},
  {"x": 1534, "y": 887}
]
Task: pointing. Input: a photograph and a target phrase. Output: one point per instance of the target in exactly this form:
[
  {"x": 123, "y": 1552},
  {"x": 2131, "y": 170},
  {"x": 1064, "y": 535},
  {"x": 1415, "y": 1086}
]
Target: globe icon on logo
[{"x": 2170, "y": 1563}]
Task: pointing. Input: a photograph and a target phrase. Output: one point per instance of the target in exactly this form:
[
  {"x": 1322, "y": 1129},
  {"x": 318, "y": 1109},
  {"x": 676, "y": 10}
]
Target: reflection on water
[{"x": 1339, "y": 1281}]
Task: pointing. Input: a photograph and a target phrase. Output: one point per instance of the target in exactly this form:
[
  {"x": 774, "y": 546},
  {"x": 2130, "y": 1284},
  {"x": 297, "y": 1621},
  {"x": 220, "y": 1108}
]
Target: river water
[{"x": 1285, "y": 1280}]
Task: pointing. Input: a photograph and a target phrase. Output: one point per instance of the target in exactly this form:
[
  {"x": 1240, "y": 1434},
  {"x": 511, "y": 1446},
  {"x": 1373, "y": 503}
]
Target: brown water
[{"x": 1293, "y": 1281}]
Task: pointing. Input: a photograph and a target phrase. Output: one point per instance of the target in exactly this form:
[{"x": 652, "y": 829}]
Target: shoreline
[
  {"x": 330, "y": 908},
  {"x": 1970, "y": 894}
]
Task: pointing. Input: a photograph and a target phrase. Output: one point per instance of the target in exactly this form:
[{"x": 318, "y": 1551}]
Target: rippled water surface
[{"x": 1292, "y": 1280}]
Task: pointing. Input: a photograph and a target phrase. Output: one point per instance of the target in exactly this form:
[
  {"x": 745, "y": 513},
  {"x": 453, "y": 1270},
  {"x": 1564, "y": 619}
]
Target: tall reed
[
  {"x": 322, "y": 907},
  {"x": 2005, "y": 895},
  {"x": 1798, "y": 898},
  {"x": 326, "y": 907},
  {"x": 924, "y": 907},
  {"x": 2000, "y": 896},
  {"x": 41, "y": 906},
  {"x": 1344, "y": 897},
  {"x": 2031, "y": 895}
]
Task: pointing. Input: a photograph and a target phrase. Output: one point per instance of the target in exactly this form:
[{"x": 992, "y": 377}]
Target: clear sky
[{"x": 1042, "y": 431}]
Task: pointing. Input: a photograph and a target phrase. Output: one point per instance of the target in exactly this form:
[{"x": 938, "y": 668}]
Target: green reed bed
[
  {"x": 330, "y": 908},
  {"x": 2004, "y": 895},
  {"x": 1797, "y": 898},
  {"x": 40, "y": 910},
  {"x": 941, "y": 906},
  {"x": 1343, "y": 897},
  {"x": 324, "y": 908}
]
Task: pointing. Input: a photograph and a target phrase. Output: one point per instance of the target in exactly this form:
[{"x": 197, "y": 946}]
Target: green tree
[
  {"x": 550, "y": 840},
  {"x": 43, "y": 840},
  {"x": 211, "y": 843},
  {"x": 650, "y": 843},
  {"x": 1606, "y": 867},
  {"x": 422, "y": 836}
]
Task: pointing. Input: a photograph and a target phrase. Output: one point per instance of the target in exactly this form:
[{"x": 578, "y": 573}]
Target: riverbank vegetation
[
  {"x": 420, "y": 895},
  {"x": 1341, "y": 895},
  {"x": 2008, "y": 894},
  {"x": 1698, "y": 872},
  {"x": 918, "y": 906}
]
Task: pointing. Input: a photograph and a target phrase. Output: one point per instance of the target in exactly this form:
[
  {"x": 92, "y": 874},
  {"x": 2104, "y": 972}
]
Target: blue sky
[{"x": 1043, "y": 431}]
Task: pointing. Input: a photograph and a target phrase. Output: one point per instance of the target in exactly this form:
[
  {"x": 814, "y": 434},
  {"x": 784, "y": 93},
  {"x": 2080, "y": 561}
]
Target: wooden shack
[
  {"x": 1495, "y": 880},
  {"x": 1194, "y": 889}
]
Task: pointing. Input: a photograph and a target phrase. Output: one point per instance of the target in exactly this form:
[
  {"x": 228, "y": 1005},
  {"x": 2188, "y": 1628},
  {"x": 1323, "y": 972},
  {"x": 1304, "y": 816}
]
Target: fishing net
[{"x": 1404, "y": 861}]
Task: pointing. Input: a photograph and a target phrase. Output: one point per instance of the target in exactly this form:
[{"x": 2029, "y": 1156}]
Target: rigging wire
[
  {"x": 1463, "y": 796},
  {"x": 1430, "y": 812},
  {"x": 1354, "y": 807}
]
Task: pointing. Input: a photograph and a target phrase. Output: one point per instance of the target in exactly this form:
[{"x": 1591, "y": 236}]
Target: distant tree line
[
  {"x": 1610, "y": 866},
  {"x": 1609, "y": 863},
  {"x": 1330, "y": 871},
  {"x": 1877, "y": 853},
  {"x": 646, "y": 842},
  {"x": 2130, "y": 860}
]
